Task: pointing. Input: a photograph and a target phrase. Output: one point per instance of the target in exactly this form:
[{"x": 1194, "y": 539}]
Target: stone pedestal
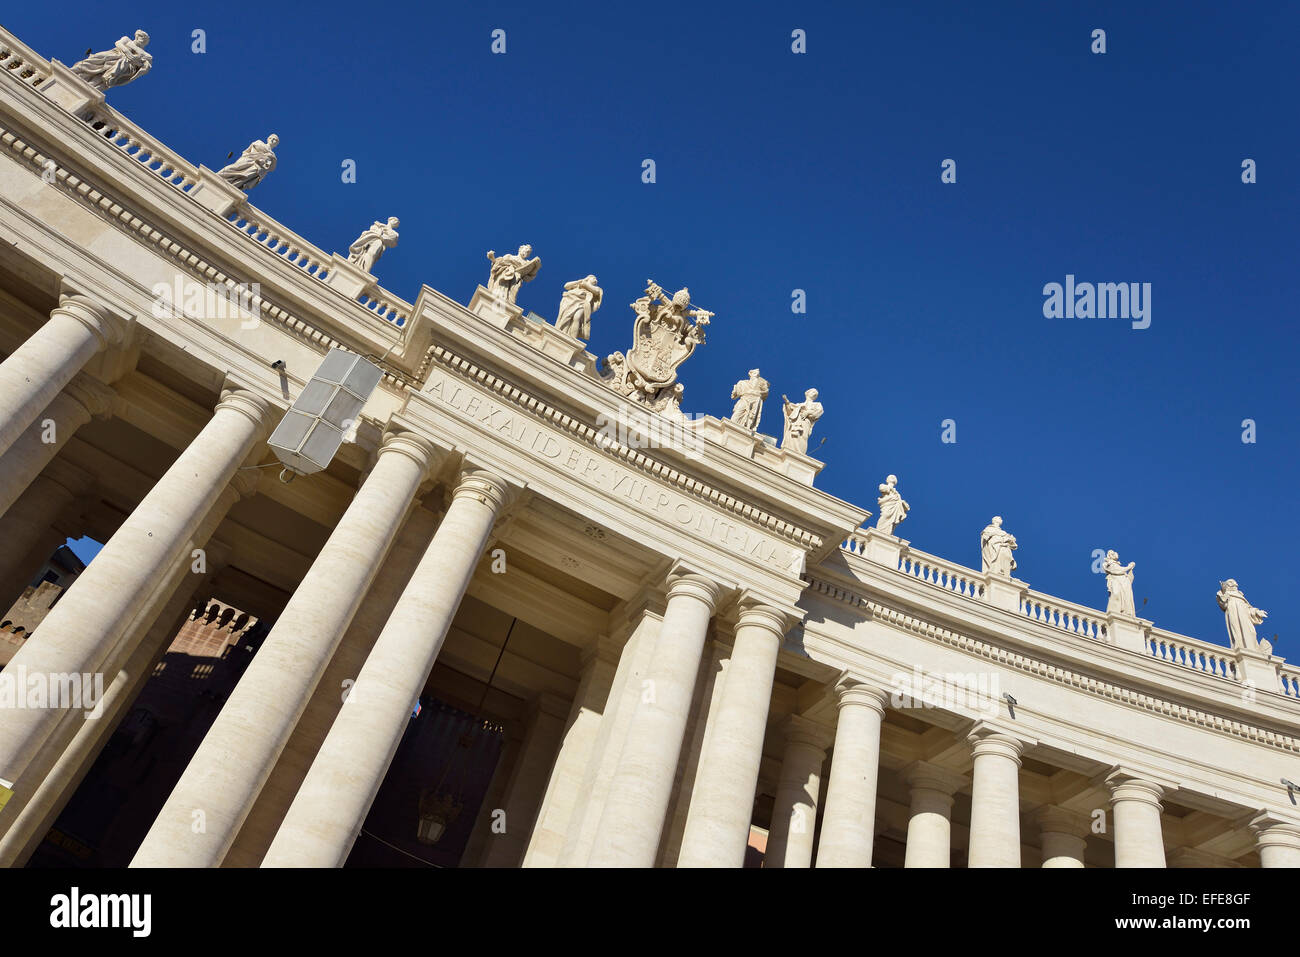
[
  {"x": 1127, "y": 633},
  {"x": 70, "y": 91},
  {"x": 1260, "y": 670},
  {"x": 1003, "y": 591},
  {"x": 214, "y": 193},
  {"x": 347, "y": 277},
  {"x": 882, "y": 548}
]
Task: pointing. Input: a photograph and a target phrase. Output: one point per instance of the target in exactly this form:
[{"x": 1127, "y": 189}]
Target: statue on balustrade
[
  {"x": 663, "y": 337},
  {"x": 892, "y": 507},
  {"x": 370, "y": 245},
  {"x": 1242, "y": 618},
  {"x": 507, "y": 273},
  {"x": 799, "y": 420},
  {"x": 996, "y": 547},
  {"x": 253, "y": 165},
  {"x": 127, "y": 61},
  {"x": 581, "y": 298},
  {"x": 749, "y": 395},
  {"x": 1119, "y": 582}
]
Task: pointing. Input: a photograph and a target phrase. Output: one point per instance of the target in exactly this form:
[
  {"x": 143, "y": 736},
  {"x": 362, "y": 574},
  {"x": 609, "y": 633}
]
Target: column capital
[
  {"x": 932, "y": 777},
  {"x": 109, "y": 327},
  {"x": 237, "y": 399},
  {"x": 1271, "y": 829},
  {"x": 1053, "y": 819},
  {"x": 98, "y": 399},
  {"x": 1126, "y": 785},
  {"x": 753, "y": 610},
  {"x": 796, "y": 729},
  {"x": 852, "y": 690},
  {"x": 415, "y": 447},
  {"x": 990, "y": 737},
  {"x": 682, "y": 582},
  {"x": 486, "y": 487}
]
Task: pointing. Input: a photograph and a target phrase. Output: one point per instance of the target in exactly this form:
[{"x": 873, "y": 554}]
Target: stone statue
[
  {"x": 127, "y": 61},
  {"x": 253, "y": 165},
  {"x": 892, "y": 507},
  {"x": 749, "y": 395},
  {"x": 581, "y": 298},
  {"x": 663, "y": 337},
  {"x": 799, "y": 420},
  {"x": 996, "y": 547},
  {"x": 511, "y": 271},
  {"x": 370, "y": 245},
  {"x": 1241, "y": 618},
  {"x": 1119, "y": 582}
]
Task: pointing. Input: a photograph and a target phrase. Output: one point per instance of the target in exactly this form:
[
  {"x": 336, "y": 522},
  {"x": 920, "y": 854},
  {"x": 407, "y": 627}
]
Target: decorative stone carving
[
  {"x": 893, "y": 510},
  {"x": 1119, "y": 582},
  {"x": 663, "y": 337},
  {"x": 507, "y": 273},
  {"x": 799, "y": 420},
  {"x": 370, "y": 245},
  {"x": 581, "y": 298},
  {"x": 127, "y": 61},
  {"x": 253, "y": 165},
  {"x": 996, "y": 547},
  {"x": 1242, "y": 618},
  {"x": 749, "y": 395}
]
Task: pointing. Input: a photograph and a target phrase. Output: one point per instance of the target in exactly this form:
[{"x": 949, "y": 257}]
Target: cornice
[{"x": 1030, "y": 664}]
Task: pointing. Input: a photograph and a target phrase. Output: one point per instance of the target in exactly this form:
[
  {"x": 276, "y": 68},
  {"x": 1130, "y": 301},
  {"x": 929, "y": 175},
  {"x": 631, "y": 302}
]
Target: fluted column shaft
[
  {"x": 32, "y": 451},
  {"x": 929, "y": 826},
  {"x": 1135, "y": 806},
  {"x": 722, "y": 800},
  {"x": 995, "y": 801},
  {"x": 327, "y": 813},
  {"x": 87, "y": 623},
  {"x": 232, "y": 763},
  {"x": 849, "y": 821},
  {"x": 39, "y": 369},
  {"x": 794, "y": 812},
  {"x": 633, "y": 817}
]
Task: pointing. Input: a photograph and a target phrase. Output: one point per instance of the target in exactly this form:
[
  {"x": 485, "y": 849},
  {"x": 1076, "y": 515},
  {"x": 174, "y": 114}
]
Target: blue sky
[{"x": 821, "y": 172}]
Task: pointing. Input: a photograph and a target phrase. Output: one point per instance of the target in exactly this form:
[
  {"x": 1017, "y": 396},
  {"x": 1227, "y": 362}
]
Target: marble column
[
  {"x": 327, "y": 813},
  {"x": 83, "y": 399},
  {"x": 1135, "y": 807},
  {"x": 62, "y": 773},
  {"x": 527, "y": 783},
  {"x": 794, "y": 812},
  {"x": 995, "y": 798},
  {"x": 641, "y": 788},
  {"x": 39, "y": 369},
  {"x": 646, "y": 618},
  {"x": 1062, "y": 834},
  {"x": 849, "y": 821},
  {"x": 87, "y": 623},
  {"x": 722, "y": 799},
  {"x": 227, "y": 772},
  {"x": 929, "y": 825},
  {"x": 582, "y": 729},
  {"x": 1278, "y": 840}
]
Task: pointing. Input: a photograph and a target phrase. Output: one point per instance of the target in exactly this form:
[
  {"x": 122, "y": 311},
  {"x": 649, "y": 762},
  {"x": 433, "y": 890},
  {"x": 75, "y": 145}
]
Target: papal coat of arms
[{"x": 664, "y": 335}]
